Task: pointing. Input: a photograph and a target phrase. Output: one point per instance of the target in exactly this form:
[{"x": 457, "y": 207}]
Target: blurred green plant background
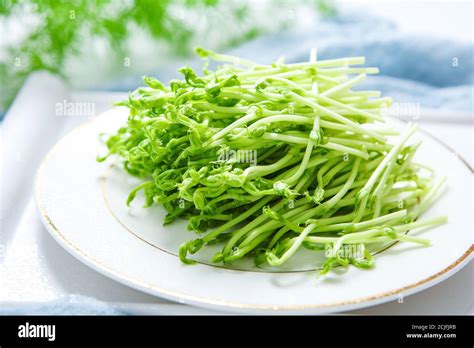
[{"x": 89, "y": 42}]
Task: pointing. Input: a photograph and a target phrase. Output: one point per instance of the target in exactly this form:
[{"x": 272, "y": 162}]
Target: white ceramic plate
[{"x": 82, "y": 204}]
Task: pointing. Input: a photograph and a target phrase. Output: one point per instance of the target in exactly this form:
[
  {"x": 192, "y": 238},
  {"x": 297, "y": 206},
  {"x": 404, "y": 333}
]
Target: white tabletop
[{"x": 34, "y": 268}]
